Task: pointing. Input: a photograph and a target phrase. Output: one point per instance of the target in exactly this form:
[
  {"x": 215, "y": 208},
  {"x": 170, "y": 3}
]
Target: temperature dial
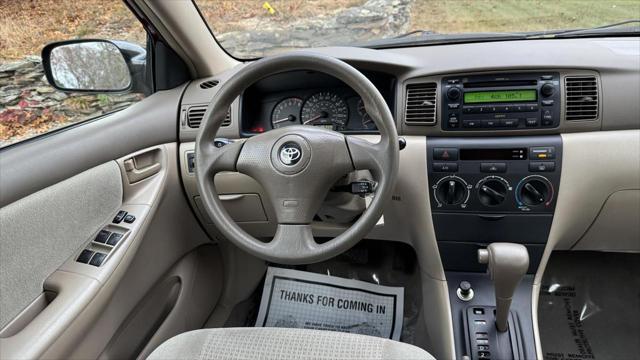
[
  {"x": 492, "y": 190},
  {"x": 534, "y": 190},
  {"x": 451, "y": 190}
]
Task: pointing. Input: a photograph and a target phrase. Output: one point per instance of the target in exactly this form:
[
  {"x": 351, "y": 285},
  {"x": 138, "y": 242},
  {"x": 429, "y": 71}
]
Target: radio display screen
[{"x": 479, "y": 97}]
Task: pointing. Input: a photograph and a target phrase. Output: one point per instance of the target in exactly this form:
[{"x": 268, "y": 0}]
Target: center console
[
  {"x": 483, "y": 191},
  {"x": 492, "y": 189}
]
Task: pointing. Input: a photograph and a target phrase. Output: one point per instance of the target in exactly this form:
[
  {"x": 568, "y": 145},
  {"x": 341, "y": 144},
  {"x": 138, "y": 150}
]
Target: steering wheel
[{"x": 297, "y": 165}]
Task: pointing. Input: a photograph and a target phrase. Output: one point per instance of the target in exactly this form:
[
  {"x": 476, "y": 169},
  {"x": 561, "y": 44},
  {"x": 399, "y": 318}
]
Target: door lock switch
[
  {"x": 129, "y": 219},
  {"x": 119, "y": 217}
]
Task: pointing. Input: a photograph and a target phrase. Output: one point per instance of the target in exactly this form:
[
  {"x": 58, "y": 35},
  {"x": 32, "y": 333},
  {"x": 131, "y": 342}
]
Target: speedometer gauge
[
  {"x": 325, "y": 109},
  {"x": 286, "y": 112}
]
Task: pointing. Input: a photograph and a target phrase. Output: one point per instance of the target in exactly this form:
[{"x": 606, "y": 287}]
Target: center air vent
[
  {"x": 196, "y": 113},
  {"x": 420, "y": 106},
  {"x": 581, "y": 98},
  {"x": 209, "y": 84}
]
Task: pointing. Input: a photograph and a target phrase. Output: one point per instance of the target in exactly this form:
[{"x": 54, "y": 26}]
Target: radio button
[
  {"x": 493, "y": 167},
  {"x": 509, "y": 122},
  {"x": 533, "y": 107},
  {"x": 445, "y": 167},
  {"x": 542, "y": 166},
  {"x": 490, "y": 123},
  {"x": 454, "y": 105},
  {"x": 446, "y": 154},
  {"x": 467, "y": 110},
  {"x": 471, "y": 123},
  {"x": 547, "y": 102},
  {"x": 531, "y": 122},
  {"x": 546, "y": 77},
  {"x": 453, "y": 121}
]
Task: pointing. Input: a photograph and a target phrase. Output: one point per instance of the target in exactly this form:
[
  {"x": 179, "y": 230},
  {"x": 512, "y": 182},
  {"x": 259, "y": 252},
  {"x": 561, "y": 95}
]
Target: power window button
[
  {"x": 97, "y": 259},
  {"x": 114, "y": 239},
  {"x": 84, "y": 257},
  {"x": 102, "y": 236}
]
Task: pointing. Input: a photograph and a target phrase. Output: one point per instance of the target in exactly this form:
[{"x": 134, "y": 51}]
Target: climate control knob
[
  {"x": 534, "y": 190},
  {"x": 492, "y": 191},
  {"x": 451, "y": 190}
]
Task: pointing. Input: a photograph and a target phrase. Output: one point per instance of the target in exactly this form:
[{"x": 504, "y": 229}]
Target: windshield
[{"x": 250, "y": 29}]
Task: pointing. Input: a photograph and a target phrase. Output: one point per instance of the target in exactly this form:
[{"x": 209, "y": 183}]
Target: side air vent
[
  {"x": 581, "y": 98},
  {"x": 209, "y": 84},
  {"x": 196, "y": 113},
  {"x": 420, "y": 108}
]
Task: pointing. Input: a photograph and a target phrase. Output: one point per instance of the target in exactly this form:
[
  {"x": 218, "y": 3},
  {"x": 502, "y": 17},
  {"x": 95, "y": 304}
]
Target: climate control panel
[{"x": 494, "y": 175}]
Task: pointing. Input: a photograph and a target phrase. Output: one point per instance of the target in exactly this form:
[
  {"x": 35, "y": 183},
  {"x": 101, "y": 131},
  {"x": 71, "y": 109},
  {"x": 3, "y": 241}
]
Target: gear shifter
[{"x": 507, "y": 264}]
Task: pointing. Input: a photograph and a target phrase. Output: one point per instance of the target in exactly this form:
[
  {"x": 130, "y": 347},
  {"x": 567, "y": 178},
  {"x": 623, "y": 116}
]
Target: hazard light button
[{"x": 445, "y": 154}]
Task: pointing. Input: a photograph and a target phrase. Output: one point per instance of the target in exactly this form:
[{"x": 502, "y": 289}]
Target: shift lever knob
[{"x": 507, "y": 264}]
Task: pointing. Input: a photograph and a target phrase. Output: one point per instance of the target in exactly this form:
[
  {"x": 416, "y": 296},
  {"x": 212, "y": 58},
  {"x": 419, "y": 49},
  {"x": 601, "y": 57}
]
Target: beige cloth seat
[{"x": 282, "y": 344}]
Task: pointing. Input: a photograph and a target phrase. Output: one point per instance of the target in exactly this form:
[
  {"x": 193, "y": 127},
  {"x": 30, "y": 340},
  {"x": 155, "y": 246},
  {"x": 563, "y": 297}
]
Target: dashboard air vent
[
  {"x": 581, "y": 98},
  {"x": 196, "y": 113},
  {"x": 420, "y": 107},
  {"x": 209, "y": 84}
]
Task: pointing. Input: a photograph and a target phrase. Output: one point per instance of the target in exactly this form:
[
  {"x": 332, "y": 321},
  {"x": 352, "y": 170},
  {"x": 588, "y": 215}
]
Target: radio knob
[
  {"x": 451, "y": 191},
  {"x": 547, "y": 90},
  {"x": 453, "y": 93},
  {"x": 492, "y": 192}
]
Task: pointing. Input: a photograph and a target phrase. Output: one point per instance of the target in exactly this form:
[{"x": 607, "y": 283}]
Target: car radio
[{"x": 501, "y": 101}]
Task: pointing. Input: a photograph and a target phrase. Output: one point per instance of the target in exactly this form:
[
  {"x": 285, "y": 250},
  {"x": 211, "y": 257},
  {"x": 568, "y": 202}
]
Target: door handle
[{"x": 142, "y": 166}]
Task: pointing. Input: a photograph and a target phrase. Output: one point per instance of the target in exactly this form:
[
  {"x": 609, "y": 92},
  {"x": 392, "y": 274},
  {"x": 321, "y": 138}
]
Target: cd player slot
[{"x": 498, "y": 84}]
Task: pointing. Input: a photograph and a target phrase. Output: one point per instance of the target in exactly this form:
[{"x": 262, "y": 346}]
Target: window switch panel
[
  {"x": 97, "y": 259},
  {"x": 84, "y": 257}
]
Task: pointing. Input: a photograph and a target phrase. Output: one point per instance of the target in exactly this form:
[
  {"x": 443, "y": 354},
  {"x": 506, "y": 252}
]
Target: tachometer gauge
[
  {"x": 367, "y": 121},
  {"x": 325, "y": 109},
  {"x": 286, "y": 112}
]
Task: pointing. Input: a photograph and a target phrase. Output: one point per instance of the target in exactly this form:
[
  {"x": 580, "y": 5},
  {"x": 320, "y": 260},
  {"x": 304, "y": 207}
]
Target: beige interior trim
[
  {"x": 195, "y": 41},
  {"x": 595, "y": 165}
]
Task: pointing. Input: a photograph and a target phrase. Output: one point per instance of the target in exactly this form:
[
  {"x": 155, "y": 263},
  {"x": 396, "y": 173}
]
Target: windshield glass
[{"x": 249, "y": 29}]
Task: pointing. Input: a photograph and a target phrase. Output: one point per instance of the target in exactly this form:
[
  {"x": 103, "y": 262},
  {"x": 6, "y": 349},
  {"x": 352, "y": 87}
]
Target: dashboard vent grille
[
  {"x": 581, "y": 98},
  {"x": 420, "y": 107},
  {"x": 209, "y": 84},
  {"x": 196, "y": 113}
]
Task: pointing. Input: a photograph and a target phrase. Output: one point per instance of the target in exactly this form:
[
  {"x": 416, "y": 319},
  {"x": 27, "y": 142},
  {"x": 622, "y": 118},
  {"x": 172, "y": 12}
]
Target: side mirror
[{"x": 96, "y": 66}]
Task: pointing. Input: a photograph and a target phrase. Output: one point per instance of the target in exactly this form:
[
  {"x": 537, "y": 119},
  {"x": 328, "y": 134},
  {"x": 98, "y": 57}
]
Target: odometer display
[
  {"x": 477, "y": 97},
  {"x": 325, "y": 109}
]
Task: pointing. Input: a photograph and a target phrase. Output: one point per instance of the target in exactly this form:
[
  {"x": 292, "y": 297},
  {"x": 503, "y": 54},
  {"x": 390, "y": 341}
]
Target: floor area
[{"x": 589, "y": 306}]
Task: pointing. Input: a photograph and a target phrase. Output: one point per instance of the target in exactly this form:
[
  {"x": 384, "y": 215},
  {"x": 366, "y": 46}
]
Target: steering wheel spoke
[
  {"x": 219, "y": 159},
  {"x": 364, "y": 154},
  {"x": 292, "y": 240}
]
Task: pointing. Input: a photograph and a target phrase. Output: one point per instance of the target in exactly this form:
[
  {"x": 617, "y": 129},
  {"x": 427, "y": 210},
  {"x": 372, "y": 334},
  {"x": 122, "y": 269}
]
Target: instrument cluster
[{"x": 336, "y": 107}]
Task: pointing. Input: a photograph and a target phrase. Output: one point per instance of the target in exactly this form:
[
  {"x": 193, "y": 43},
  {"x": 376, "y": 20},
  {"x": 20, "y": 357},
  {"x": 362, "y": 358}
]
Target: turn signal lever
[{"x": 507, "y": 264}]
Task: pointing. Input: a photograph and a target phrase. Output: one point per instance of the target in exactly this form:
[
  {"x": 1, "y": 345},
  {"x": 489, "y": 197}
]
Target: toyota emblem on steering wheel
[{"x": 290, "y": 153}]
